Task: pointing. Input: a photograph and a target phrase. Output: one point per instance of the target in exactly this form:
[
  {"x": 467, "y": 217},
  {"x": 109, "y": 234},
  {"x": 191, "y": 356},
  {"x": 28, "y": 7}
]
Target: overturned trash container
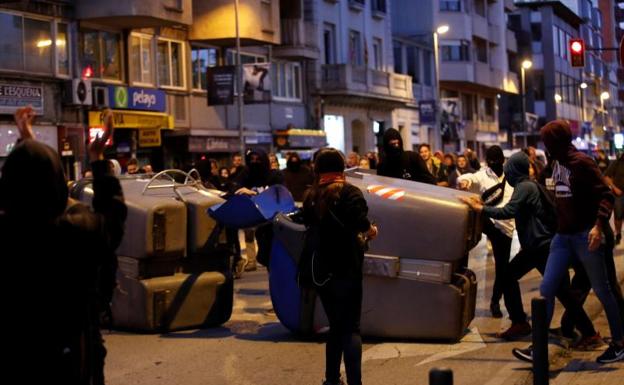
[
  {"x": 416, "y": 281},
  {"x": 174, "y": 266}
]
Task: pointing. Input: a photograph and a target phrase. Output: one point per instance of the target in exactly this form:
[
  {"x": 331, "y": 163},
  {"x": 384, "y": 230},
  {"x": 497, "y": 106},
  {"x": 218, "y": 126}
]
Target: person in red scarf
[{"x": 339, "y": 211}]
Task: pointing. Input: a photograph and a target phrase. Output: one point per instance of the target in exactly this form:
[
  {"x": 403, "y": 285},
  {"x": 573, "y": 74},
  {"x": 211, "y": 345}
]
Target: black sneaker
[
  {"x": 523, "y": 354},
  {"x": 612, "y": 354},
  {"x": 496, "y": 310}
]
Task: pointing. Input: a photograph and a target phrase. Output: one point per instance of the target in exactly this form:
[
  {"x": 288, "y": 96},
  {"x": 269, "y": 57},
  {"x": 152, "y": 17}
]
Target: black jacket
[
  {"x": 397, "y": 163},
  {"x": 63, "y": 259},
  {"x": 339, "y": 230}
]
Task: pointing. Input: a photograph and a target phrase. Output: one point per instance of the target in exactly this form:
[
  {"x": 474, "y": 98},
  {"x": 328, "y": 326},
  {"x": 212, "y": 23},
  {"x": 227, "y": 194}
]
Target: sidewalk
[{"x": 580, "y": 367}]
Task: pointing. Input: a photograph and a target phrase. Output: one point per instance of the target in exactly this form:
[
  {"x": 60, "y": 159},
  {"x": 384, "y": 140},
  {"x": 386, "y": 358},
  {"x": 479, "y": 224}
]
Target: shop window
[
  {"x": 201, "y": 59},
  {"x": 170, "y": 60},
  {"x": 141, "y": 58},
  {"x": 101, "y": 55},
  {"x": 287, "y": 81},
  {"x": 33, "y": 45}
]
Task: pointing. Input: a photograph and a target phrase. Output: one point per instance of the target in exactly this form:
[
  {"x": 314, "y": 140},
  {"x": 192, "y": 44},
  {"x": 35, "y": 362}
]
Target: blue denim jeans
[{"x": 566, "y": 248}]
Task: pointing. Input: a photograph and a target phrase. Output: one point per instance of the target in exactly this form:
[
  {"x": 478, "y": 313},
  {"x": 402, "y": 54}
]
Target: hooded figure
[
  {"x": 495, "y": 159},
  {"x": 297, "y": 177},
  {"x": 66, "y": 261},
  {"x": 397, "y": 163},
  {"x": 257, "y": 174}
]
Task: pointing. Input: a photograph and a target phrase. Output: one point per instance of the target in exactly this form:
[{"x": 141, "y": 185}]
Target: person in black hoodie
[
  {"x": 257, "y": 174},
  {"x": 297, "y": 177},
  {"x": 584, "y": 204},
  {"x": 397, "y": 163},
  {"x": 338, "y": 209},
  {"x": 64, "y": 256},
  {"x": 533, "y": 215}
]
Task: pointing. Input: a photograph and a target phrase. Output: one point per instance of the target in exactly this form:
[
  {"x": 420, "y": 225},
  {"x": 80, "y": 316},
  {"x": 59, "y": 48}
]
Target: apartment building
[{"x": 474, "y": 64}]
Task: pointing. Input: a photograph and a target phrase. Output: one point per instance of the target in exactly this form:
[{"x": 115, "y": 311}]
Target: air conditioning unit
[
  {"x": 79, "y": 92},
  {"x": 100, "y": 97}
]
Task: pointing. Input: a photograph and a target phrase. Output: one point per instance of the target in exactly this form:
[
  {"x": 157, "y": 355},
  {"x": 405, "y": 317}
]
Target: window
[
  {"x": 378, "y": 5},
  {"x": 481, "y": 50},
  {"x": 170, "y": 61},
  {"x": 201, "y": 59},
  {"x": 412, "y": 55},
  {"x": 450, "y": 5},
  {"x": 329, "y": 43},
  {"x": 538, "y": 85},
  {"x": 556, "y": 41},
  {"x": 377, "y": 54},
  {"x": 467, "y": 106},
  {"x": 141, "y": 55},
  {"x": 397, "y": 49},
  {"x": 455, "y": 50},
  {"x": 427, "y": 67},
  {"x": 486, "y": 109},
  {"x": 536, "y": 31},
  {"x": 101, "y": 55},
  {"x": 287, "y": 81},
  {"x": 355, "y": 48},
  {"x": 267, "y": 15},
  {"x": 479, "y": 7},
  {"x": 33, "y": 45},
  {"x": 62, "y": 49}
]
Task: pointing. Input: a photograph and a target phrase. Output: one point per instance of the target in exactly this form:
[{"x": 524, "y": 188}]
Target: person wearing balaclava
[
  {"x": 397, "y": 163},
  {"x": 297, "y": 176},
  {"x": 532, "y": 211},
  {"x": 491, "y": 184},
  {"x": 64, "y": 257},
  {"x": 583, "y": 203}
]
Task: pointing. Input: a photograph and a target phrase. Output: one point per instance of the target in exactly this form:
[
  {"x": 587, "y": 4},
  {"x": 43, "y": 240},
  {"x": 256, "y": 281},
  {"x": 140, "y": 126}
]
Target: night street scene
[{"x": 325, "y": 192}]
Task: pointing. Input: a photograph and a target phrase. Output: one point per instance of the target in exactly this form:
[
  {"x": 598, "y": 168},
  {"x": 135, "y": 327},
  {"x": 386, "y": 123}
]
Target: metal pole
[
  {"x": 540, "y": 341},
  {"x": 438, "y": 114},
  {"x": 523, "y": 99},
  {"x": 440, "y": 376},
  {"x": 239, "y": 82}
]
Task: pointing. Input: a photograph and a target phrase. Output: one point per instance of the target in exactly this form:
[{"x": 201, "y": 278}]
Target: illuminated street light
[
  {"x": 604, "y": 95},
  {"x": 558, "y": 98},
  {"x": 527, "y": 64},
  {"x": 583, "y": 85},
  {"x": 441, "y": 30}
]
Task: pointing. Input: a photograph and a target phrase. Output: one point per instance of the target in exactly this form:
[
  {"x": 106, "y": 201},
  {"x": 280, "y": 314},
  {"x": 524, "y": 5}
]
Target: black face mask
[
  {"x": 293, "y": 165},
  {"x": 255, "y": 168},
  {"x": 393, "y": 151},
  {"x": 497, "y": 167}
]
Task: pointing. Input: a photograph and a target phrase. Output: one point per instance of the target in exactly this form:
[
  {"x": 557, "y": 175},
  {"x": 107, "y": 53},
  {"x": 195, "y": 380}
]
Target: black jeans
[
  {"x": 526, "y": 261},
  {"x": 501, "y": 247},
  {"x": 342, "y": 301}
]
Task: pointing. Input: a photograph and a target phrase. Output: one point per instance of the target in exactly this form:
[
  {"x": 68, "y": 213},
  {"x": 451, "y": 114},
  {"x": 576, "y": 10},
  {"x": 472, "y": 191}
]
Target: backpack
[
  {"x": 494, "y": 195},
  {"x": 549, "y": 216},
  {"x": 312, "y": 269}
]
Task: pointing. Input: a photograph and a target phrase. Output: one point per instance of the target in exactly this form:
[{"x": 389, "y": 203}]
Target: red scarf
[{"x": 331, "y": 177}]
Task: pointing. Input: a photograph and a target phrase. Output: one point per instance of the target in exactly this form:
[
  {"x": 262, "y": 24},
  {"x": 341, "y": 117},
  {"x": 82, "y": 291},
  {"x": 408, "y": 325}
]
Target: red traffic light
[{"x": 577, "y": 52}]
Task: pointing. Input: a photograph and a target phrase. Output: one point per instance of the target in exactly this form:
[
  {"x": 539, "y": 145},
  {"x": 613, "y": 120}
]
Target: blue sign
[
  {"x": 132, "y": 98},
  {"x": 427, "y": 110}
]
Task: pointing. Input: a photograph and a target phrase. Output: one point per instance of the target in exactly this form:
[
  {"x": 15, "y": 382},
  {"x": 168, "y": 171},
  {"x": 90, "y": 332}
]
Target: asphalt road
[{"x": 254, "y": 349}]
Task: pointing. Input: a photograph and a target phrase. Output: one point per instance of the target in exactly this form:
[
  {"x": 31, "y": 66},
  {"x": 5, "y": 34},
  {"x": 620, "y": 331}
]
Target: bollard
[
  {"x": 440, "y": 376},
  {"x": 540, "y": 341}
]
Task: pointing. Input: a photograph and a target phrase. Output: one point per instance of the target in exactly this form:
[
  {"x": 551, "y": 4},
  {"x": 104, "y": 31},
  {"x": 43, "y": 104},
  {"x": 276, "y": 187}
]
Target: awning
[{"x": 134, "y": 119}]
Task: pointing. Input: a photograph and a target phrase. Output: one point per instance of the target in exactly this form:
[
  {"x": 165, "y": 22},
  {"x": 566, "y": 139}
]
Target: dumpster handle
[{"x": 188, "y": 181}]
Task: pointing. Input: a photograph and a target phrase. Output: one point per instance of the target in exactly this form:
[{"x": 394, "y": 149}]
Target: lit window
[
  {"x": 170, "y": 63},
  {"x": 101, "y": 55},
  {"x": 201, "y": 59},
  {"x": 287, "y": 81},
  {"x": 141, "y": 58}
]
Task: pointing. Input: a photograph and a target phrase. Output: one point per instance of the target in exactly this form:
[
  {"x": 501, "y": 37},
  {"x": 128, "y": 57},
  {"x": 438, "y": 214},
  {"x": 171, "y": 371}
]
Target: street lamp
[
  {"x": 441, "y": 30},
  {"x": 583, "y": 85},
  {"x": 558, "y": 98},
  {"x": 604, "y": 96},
  {"x": 526, "y": 65}
]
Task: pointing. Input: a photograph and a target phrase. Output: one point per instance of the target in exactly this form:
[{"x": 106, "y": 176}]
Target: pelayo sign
[{"x": 133, "y": 98}]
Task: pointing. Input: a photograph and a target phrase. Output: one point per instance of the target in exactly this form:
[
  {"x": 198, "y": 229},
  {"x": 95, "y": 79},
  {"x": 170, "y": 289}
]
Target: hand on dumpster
[
  {"x": 474, "y": 202},
  {"x": 245, "y": 191},
  {"x": 464, "y": 184},
  {"x": 23, "y": 119},
  {"x": 372, "y": 232},
  {"x": 96, "y": 148}
]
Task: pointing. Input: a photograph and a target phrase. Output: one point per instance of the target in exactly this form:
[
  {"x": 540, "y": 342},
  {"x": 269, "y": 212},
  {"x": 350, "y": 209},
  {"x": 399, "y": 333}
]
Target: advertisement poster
[
  {"x": 451, "y": 123},
  {"x": 257, "y": 83},
  {"x": 220, "y": 82}
]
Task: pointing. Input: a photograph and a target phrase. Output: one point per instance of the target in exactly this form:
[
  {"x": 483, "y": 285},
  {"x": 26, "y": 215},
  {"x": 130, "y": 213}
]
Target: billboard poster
[
  {"x": 452, "y": 126},
  {"x": 257, "y": 83},
  {"x": 220, "y": 83},
  {"x": 427, "y": 111}
]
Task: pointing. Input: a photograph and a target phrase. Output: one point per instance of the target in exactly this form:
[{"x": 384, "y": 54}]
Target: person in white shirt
[{"x": 490, "y": 183}]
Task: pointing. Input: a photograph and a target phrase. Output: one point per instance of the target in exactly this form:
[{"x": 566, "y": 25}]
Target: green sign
[{"x": 121, "y": 97}]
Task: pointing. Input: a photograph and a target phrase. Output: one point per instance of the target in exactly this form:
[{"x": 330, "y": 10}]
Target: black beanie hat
[
  {"x": 329, "y": 160},
  {"x": 494, "y": 154}
]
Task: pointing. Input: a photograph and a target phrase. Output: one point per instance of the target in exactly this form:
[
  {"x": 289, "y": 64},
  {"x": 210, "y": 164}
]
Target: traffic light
[{"x": 577, "y": 52}]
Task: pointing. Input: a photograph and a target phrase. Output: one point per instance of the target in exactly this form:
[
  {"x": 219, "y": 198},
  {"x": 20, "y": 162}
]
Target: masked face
[
  {"x": 496, "y": 166},
  {"x": 293, "y": 164}
]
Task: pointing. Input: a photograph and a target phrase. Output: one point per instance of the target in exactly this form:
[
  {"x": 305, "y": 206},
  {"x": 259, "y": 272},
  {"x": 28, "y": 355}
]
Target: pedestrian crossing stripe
[{"x": 384, "y": 192}]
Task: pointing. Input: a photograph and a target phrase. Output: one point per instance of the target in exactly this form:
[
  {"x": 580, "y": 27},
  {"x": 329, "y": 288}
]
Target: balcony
[
  {"x": 480, "y": 27},
  {"x": 457, "y": 71},
  {"x": 365, "y": 82},
  {"x": 494, "y": 32},
  {"x": 214, "y": 22},
  {"x": 298, "y": 40},
  {"x": 135, "y": 13}
]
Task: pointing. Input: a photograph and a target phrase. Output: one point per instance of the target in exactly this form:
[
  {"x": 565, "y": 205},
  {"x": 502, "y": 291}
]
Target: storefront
[
  {"x": 302, "y": 141},
  {"x": 139, "y": 117}
]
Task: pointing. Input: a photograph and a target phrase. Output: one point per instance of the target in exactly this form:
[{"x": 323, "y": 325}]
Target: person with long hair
[{"x": 340, "y": 213}]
